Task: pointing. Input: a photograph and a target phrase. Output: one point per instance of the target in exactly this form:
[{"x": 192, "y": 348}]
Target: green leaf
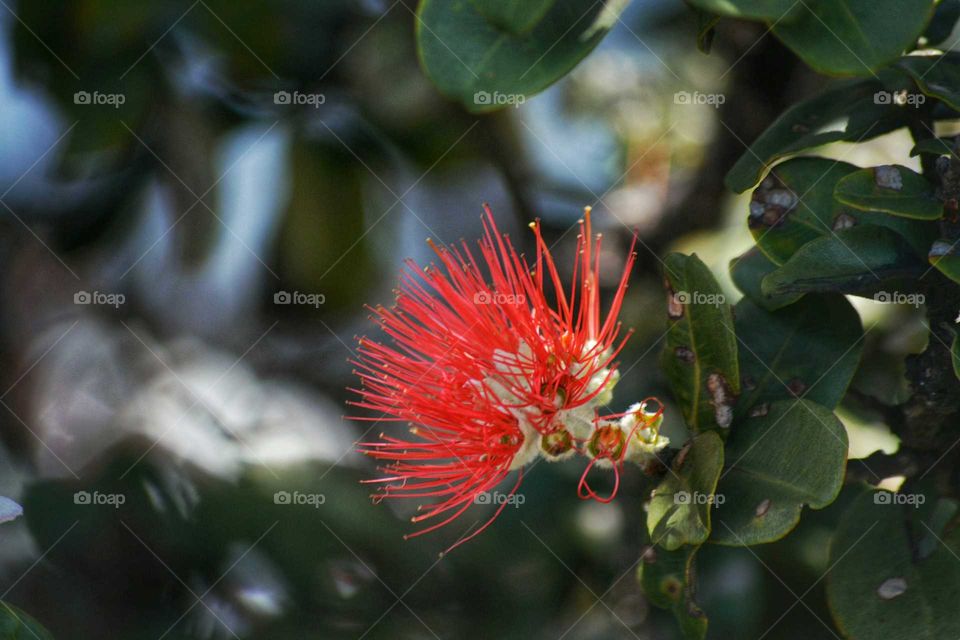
[
  {"x": 795, "y": 204},
  {"x": 934, "y": 146},
  {"x": 945, "y": 256},
  {"x": 749, "y": 270},
  {"x": 846, "y": 111},
  {"x": 892, "y": 189},
  {"x": 774, "y": 10},
  {"x": 706, "y": 29},
  {"x": 668, "y": 580},
  {"x": 855, "y": 260},
  {"x": 491, "y": 53},
  {"x": 809, "y": 350},
  {"x": 937, "y": 76},
  {"x": 679, "y": 511},
  {"x": 513, "y": 16},
  {"x": 854, "y": 37},
  {"x": 17, "y": 625},
  {"x": 955, "y": 352},
  {"x": 700, "y": 354},
  {"x": 944, "y": 20},
  {"x": 895, "y": 573},
  {"x": 792, "y": 455}
]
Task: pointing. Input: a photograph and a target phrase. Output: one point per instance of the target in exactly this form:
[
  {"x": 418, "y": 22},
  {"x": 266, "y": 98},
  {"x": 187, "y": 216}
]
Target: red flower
[{"x": 490, "y": 374}]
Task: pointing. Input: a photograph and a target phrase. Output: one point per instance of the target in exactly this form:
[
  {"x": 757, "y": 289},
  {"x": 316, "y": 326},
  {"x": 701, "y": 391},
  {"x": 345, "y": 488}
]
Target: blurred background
[{"x": 199, "y": 198}]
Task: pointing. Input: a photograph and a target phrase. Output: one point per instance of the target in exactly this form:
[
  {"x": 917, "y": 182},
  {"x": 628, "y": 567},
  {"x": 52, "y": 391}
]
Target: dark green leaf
[
  {"x": 17, "y": 625},
  {"x": 792, "y": 455},
  {"x": 513, "y": 16},
  {"x": 895, "y": 573},
  {"x": 944, "y": 19},
  {"x": 706, "y": 28},
  {"x": 854, "y": 37},
  {"x": 679, "y": 511},
  {"x": 892, "y": 189},
  {"x": 748, "y": 271},
  {"x": 934, "y": 146},
  {"x": 773, "y": 10},
  {"x": 955, "y": 352},
  {"x": 472, "y": 57},
  {"x": 809, "y": 350},
  {"x": 937, "y": 76},
  {"x": 846, "y": 111},
  {"x": 945, "y": 256},
  {"x": 795, "y": 204},
  {"x": 700, "y": 354},
  {"x": 855, "y": 260},
  {"x": 668, "y": 581}
]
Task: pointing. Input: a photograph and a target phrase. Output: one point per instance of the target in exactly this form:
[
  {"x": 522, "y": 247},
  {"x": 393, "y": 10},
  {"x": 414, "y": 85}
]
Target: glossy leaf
[
  {"x": 795, "y": 204},
  {"x": 792, "y": 455},
  {"x": 749, "y": 270},
  {"x": 855, "y": 260},
  {"x": 472, "y": 55},
  {"x": 937, "y": 76},
  {"x": 854, "y": 37},
  {"x": 669, "y": 582},
  {"x": 846, "y": 111},
  {"x": 895, "y": 572},
  {"x": 892, "y": 189},
  {"x": 17, "y": 625},
  {"x": 700, "y": 354},
  {"x": 679, "y": 511},
  {"x": 810, "y": 350}
]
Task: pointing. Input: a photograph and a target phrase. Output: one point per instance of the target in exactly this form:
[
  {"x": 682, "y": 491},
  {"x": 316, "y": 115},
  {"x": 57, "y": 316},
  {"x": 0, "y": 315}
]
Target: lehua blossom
[{"x": 493, "y": 364}]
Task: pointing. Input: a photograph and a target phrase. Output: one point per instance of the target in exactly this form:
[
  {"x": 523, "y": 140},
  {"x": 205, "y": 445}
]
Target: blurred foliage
[{"x": 203, "y": 158}]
